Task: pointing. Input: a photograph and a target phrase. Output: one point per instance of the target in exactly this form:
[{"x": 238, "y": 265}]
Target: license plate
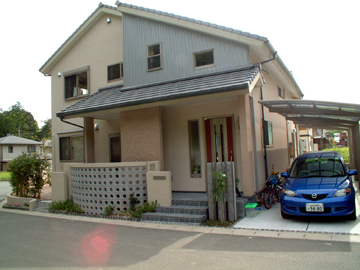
[{"x": 314, "y": 207}]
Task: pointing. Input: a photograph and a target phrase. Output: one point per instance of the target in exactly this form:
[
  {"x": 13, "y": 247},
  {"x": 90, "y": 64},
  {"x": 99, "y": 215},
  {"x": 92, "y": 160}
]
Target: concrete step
[
  {"x": 183, "y": 209},
  {"x": 171, "y": 217},
  {"x": 189, "y": 202}
]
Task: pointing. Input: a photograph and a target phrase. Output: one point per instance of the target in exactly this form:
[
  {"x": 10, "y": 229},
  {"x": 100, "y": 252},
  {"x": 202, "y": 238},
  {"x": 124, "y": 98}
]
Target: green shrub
[
  {"x": 67, "y": 205},
  {"x": 147, "y": 207},
  {"x": 27, "y": 175},
  {"x": 109, "y": 210},
  {"x": 344, "y": 151},
  {"x": 4, "y": 176},
  {"x": 133, "y": 202}
]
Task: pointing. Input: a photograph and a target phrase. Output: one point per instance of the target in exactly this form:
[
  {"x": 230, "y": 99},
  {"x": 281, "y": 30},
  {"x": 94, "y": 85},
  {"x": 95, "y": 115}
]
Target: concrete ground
[{"x": 268, "y": 223}]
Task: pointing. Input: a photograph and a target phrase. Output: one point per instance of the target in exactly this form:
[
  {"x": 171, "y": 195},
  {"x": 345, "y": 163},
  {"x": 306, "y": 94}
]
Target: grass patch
[
  {"x": 344, "y": 151},
  {"x": 4, "y": 176},
  {"x": 217, "y": 223}
]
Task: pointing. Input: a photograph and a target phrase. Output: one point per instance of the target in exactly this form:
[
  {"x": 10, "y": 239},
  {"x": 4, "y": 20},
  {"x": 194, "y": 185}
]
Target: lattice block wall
[{"x": 96, "y": 188}]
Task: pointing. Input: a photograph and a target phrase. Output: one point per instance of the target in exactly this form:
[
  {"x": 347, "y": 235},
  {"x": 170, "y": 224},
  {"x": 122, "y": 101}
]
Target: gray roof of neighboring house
[
  {"x": 117, "y": 97},
  {"x": 246, "y": 34},
  {"x": 14, "y": 140}
]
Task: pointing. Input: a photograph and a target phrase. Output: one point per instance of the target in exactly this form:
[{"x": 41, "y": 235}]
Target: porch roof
[{"x": 122, "y": 97}]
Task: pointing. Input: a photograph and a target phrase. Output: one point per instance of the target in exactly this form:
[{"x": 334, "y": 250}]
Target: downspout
[
  {"x": 263, "y": 120},
  {"x": 257, "y": 186}
]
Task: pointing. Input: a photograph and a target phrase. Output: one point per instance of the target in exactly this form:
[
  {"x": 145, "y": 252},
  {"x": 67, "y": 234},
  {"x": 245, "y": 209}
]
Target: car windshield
[{"x": 317, "y": 167}]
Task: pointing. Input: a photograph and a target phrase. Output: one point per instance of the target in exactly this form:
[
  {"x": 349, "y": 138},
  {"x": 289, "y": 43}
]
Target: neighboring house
[
  {"x": 306, "y": 143},
  {"x": 160, "y": 92},
  {"x": 321, "y": 139},
  {"x": 12, "y": 146}
]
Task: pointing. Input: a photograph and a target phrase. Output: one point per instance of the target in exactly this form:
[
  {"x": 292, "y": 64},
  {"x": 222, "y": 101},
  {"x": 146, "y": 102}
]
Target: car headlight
[
  {"x": 342, "y": 192},
  {"x": 289, "y": 192},
  {"x": 345, "y": 184}
]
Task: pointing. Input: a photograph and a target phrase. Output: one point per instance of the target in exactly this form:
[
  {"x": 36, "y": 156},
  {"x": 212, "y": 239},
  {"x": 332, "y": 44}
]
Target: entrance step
[
  {"x": 186, "y": 210},
  {"x": 43, "y": 206}
]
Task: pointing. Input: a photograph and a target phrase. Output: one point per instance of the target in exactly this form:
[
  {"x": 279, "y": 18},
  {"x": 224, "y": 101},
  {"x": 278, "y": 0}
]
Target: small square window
[
  {"x": 281, "y": 93},
  {"x": 10, "y": 149},
  {"x": 204, "y": 58},
  {"x": 76, "y": 84},
  {"x": 31, "y": 148},
  {"x": 154, "y": 57},
  {"x": 115, "y": 72}
]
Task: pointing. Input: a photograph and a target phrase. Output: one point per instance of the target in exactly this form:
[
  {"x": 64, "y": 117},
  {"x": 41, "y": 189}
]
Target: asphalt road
[
  {"x": 32, "y": 242},
  {"x": 5, "y": 188}
]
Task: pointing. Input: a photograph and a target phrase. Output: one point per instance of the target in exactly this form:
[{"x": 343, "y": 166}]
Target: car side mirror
[
  {"x": 285, "y": 174},
  {"x": 352, "y": 172}
]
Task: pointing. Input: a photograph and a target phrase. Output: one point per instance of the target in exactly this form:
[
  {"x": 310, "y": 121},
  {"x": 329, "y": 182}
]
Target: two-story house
[{"x": 137, "y": 90}]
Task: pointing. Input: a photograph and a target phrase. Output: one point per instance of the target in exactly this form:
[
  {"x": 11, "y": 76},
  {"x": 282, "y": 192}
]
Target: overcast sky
[{"x": 316, "y": 39}]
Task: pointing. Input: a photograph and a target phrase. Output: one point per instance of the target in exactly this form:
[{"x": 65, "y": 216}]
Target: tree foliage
[
  {"x": 19, "y": 122},
  {"x": 28, "y": 175}
]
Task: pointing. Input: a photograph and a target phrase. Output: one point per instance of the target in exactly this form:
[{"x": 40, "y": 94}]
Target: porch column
[
  {"x": 89, "y": 150},
  {"x": 247, "y": 166},
  {"x": 141, "y": 135}
]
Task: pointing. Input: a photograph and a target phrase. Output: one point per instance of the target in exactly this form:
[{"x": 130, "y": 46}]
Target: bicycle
[{"x": 272, "y": 190}]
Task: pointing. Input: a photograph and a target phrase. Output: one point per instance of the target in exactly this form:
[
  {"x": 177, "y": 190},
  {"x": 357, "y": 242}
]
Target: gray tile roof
[
  {"x": 14, "y": 140},
  {"x": 118, "y": 97},
  {"x": 227, "y": 29}
]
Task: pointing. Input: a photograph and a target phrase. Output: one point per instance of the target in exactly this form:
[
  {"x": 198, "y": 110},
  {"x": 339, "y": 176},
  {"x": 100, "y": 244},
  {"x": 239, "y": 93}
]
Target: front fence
[{"x": 95, "y": 188}]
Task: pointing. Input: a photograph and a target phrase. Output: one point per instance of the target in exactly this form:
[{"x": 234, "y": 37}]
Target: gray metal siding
[{"x": 178, "y": 46}]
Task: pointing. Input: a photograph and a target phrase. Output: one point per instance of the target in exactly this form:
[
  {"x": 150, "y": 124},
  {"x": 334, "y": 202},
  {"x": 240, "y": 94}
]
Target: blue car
[{"x": 318, "y": 184}]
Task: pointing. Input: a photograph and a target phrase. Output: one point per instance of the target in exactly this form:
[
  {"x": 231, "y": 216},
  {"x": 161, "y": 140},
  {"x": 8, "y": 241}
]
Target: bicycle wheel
[
  {"x": 267, "y": 198},
  {"x": 278, "y": 193}
]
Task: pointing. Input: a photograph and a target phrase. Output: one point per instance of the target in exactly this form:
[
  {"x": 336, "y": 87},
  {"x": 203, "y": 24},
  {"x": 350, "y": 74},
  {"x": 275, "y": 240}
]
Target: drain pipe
[
  {"x": 263, "y": 121},
  {"x": 274, "y": 57}
]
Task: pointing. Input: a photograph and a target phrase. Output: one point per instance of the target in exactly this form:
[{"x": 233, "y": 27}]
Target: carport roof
[{"x": 316, "y": 114}]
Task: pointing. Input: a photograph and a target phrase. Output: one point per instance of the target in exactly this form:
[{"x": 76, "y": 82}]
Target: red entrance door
[{"x": 219, "y": 139}]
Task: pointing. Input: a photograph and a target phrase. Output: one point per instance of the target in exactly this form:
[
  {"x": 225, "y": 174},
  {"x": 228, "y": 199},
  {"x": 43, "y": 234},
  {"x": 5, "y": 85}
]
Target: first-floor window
[
  {"x": 72, "y": 148},
  {"x": 10, "y": 149},
  {"x": 195, "y": 154},
  {"x": 268, "y": 134},
  {"x": 31, "y": 148}
]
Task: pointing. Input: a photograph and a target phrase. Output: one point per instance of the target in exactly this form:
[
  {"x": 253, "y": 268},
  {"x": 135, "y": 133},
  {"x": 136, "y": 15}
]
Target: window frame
[
  {"x": 206, "y": 65},
  {"x": 281, "y": 93},
  {"x": 76, "y": 73},
  {"x": 121, "y": 72},
  {"x": 153, "y": 56},
  {"x": 268, "y": 134},
  {"x": 30, "y": 148},
  {"x": 194, "y": 149},
  {"x": 71, "y": 150}
]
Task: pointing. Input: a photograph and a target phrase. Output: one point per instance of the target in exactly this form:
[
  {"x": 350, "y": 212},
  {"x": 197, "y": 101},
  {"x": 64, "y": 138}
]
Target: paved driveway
[
  {"x": 5, "y": 188},
  {"x": 271, "y": 220}
]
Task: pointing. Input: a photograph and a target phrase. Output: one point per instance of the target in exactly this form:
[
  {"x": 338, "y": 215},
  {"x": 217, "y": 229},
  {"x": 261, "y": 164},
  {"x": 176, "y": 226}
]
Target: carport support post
[{"x": 355, "y": 147}]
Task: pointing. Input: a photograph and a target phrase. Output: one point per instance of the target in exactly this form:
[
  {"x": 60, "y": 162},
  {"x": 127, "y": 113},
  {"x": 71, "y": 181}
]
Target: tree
[
  {"x": 45, "y": 131},
  {"x": 18, "y": 121}
]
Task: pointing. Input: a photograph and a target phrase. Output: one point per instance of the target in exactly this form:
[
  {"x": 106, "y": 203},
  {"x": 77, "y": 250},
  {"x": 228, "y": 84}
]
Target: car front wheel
[{"x": 284, "y": 215}]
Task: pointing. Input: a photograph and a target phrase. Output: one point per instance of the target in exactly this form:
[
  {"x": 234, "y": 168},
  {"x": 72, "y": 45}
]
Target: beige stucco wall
[
  {"x": 99, "y": 47},
  {"x": 176, "y": 140},
  {"x": 141, "y": 135}
]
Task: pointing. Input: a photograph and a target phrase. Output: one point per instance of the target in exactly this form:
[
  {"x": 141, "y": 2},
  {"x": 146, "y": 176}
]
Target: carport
[{"x": 323, "y": 115}]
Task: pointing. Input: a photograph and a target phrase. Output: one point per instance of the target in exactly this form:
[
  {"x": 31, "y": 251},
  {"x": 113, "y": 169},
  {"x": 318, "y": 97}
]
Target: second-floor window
[
  {"x": 205, "y": 58},
  {"x": 115, "y": 72},
  {"x": 281, "y": 93},
  {"x": 154, "y": 57},
  {"x": 77, "y": 83}
]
